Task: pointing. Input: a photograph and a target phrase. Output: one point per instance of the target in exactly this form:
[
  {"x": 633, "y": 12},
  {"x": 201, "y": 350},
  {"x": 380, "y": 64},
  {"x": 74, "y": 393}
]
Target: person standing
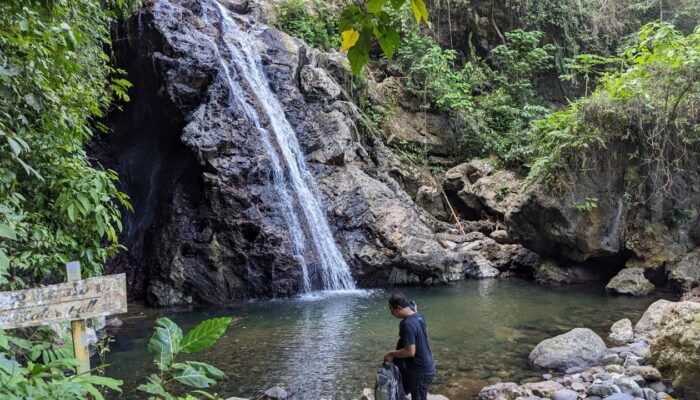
[{"x": 412, "y": 354}]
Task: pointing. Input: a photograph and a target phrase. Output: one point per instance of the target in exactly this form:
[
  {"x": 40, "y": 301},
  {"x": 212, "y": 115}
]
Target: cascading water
[{"x": 291, "y": 176}]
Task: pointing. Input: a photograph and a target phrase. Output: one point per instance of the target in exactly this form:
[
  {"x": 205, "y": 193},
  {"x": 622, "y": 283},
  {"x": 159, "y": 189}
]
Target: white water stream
[{"x": 242, "y": 66}]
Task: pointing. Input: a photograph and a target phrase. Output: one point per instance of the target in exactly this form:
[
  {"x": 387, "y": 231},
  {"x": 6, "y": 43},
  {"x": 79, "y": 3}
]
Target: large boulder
[
  {"x": 648, "y": 325},
  {"x": 630, "y": 281},
  {"x": 551, "y": 273},
  {"x": 676, "y": 349},
  {"x": 578, "y": 348},
  {"x": 685, "y": 274}
]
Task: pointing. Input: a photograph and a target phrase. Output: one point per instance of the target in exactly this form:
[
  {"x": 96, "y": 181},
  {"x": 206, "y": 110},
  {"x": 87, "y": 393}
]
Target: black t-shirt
[{"x": 413, "y": 330}]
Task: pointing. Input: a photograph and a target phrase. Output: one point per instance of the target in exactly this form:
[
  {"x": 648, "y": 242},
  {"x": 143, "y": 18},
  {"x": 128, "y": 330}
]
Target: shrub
[{"x": 318, "y": 29}]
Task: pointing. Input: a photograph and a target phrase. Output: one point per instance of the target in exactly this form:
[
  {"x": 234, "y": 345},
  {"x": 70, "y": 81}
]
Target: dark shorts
[{"x": 417, "y": 385}]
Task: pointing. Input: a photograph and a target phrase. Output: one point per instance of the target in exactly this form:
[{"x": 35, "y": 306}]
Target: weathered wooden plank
[{"x": 87, "y": 298}]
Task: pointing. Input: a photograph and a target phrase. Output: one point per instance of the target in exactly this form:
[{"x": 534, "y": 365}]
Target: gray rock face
[
  {"x": 580, "y": 347},
  {"x": 621, "y": 332},
  {"x": 210, "y": 227},
  {"x": 430, "y": 199},
  {"x": 630, "y": 281},
  {"x": 550, "y": 273}
]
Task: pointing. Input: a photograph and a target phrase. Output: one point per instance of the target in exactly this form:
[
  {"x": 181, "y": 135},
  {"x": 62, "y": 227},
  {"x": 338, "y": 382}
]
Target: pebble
[
  {"x": 661, "y": 395},
  {"x": 612, "y": 359},
  {"x": 574, "y": 370},
  {"x": 629, "y": 386},
  {"x": 620, "y": 396},
  {"x": 578, "y": 386},
  {"x": 601, "y": 390},
  {"x": 649, "y": 394},
  {"x": 647, "y": 372},
  {"x": 546, "y": 376},
  {"x": 565, "y": 394},
  {"x": 615, "y": 369}
]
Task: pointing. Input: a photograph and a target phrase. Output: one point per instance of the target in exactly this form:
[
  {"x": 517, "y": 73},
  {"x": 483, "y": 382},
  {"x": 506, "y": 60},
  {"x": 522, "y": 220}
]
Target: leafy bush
[
  {"x": 318, "y": 30},
  {"x": 38, "y": 369},
  {"x": 167, "y": 343},
  {"x": 649, "y": 104},
  {"x": 55, "y": 206}
]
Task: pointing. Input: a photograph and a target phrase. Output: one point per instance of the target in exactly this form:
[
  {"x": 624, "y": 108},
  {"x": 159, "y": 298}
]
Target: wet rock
[
  {"x": 621, "y": 332},
  {"x": 565, "y": 394},
  {"x": 685, "y": 273},
  {"x": 543, "y": 389},
  {"x": 629, "y": 386},
  {"x": 630, "y": 281},
  {"x": 676, "y": 349},
  {"x": 317, "y": 84},
  {"x": 580, "y": 347},
  {"x": 647, "y": 372},
  {"x": 648, "y": 325},
  {"x": 480, "y": 268},
  {"x": 502, "y": 391},
  {"x": 550, "y": 273},
  {"x": 275, "y": 393}
]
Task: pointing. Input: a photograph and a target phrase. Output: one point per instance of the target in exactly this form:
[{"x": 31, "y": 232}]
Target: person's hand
[{"x": 388, "y": 358}]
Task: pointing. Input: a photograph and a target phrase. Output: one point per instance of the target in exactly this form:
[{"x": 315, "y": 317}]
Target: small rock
[
  {"x": 500, "y": 236},
  {"x": 113, "y": 323},
  {"x": 615, "y": 369},
  {"x": 620, "y": 396},
  {"x": 546, "y": 376},
  {"x": 621, "y": 332},
  {"x": 437, "y": 397},
  {"x": 503, "y": 390},
  {"x": 657, "y": 386},
  {"x": 578, "y": 386},
  {"x": 632, "y": 362},
  {"x": 594, "y": 398},
  {"x": 639, "y": 380},
  {"x": 647, "y": 372},
  {"x": 629, "y": 386},
  {"x": 601, "y": 390},
  {"x": 367, "y": 394},
  {"x": 661, "y": 395},
  {"x": 565, "y": 394},
  {"x": 240, "y": 398},
  {"x": 573, "y": 370},
  {"x": 640, "y": 348},
  {"x": 649, "y": 394},
  {"x": 543, "y": 389},
  {"x": 612, "y": 359},
  {"x": 275, "y": 393}
]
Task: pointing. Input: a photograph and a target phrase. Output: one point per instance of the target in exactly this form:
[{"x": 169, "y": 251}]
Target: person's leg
[{"x": 421, "y": 387}]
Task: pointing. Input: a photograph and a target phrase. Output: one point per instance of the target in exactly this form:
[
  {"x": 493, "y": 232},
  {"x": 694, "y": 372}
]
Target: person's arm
[{"x": 407, "y": 352}]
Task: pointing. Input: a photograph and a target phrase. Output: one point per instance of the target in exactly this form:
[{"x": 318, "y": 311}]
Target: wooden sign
[{"x": 70, "y": 301}]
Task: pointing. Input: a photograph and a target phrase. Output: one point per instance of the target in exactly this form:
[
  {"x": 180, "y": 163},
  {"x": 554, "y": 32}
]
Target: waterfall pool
[{"x": 328, "y": 346}]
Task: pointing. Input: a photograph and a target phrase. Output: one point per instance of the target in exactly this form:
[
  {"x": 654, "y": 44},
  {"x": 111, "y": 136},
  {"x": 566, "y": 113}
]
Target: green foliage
[
  {"x": 55, "y": 206},
  {"x": 502, "y": 193},
  {"x": 360, "y": 22},
  {"x": 649, "y": 104},
  {"x": 589, "y": 204},
  {"x": 319, "y": 29},
  {"x": 167, "y": 342},
  {"x": 492, "y": 106},
  {"x": 39, "y": 369}
]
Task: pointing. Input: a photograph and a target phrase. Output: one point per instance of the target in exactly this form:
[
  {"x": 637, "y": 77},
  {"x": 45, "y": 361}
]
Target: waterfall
[{"x": 291, "y": 177}]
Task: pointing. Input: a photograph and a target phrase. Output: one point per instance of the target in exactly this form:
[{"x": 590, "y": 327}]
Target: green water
[{"x": 480, "y": 331}]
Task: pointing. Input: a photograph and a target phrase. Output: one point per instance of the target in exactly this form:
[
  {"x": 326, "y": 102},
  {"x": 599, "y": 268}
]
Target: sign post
[
  {"x": 75, "y": 301},
  {"x": 78, "y": 327}
]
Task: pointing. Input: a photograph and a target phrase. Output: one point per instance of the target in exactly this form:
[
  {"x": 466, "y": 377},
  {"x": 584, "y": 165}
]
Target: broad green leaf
[
  {"x": 397, "y": 4},
  {"x": 210, "y": 370},
  {"x": 389, "y": 41},
  {"x": 420, "y": 11},
  {"x": 374, "y": 6},
  {"x": 4, "y": 343},
  {"x": 194, "y": 377},
  {"x": 153, "y": 385},
  {"x": 4, "y": 263},
  {"x": 6, "y": 231},
  {"x": 348, "y": 39},
  {"x": 204, "y": 335},
  {"x": 359, "y": 54},
  {"x": 165, "y": 343},
  {"x": 114, "y": 384}
]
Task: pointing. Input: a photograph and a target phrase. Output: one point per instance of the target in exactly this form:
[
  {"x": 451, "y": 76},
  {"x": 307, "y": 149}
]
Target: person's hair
[{"x": 398, "y": 300}]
